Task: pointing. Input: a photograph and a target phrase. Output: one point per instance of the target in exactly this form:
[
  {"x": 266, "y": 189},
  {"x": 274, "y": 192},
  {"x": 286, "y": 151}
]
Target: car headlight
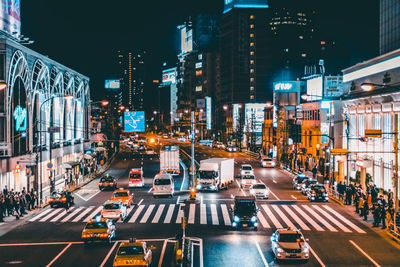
[
  {"x": 213, "y": 187},
  {"x": 279, "y": 250},
  {"x": 273, "y": 164},
  {"x": 242, "y": 172},
  {"x": 198, "y": 186},
  {"x": 243, "y": 181},
  {"x": 254, "y": 182},
  {"x": 306, "y": 249},
  {"x": 252, "y": 191},
  {"x": 236, "y": 218},
  {"x": 253, "y": 219}
]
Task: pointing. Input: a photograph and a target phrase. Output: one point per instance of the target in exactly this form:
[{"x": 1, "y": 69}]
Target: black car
[
  {"x": 317, "y": 192},
  {"x": 298, "y": 180},
  {"x": 107, "y": 182},
  {"x": 245, "y": 212},
  {"x": 61, "y": 198},
  {"x": 305, "y": 186}
]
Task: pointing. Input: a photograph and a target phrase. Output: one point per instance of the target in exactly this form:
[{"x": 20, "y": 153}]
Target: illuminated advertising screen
[
  {"x": 208, "y": 112},
  {"x": 69, "y": 118},
  {"x": 78, "y": 120},
  {"x": 57, "y": 118},
  {"x": 112, "y": 84},
  {"x": 10, "y": 17},
  {"x": 134, "y": 121},
  {"x": 229, "y": 4},
  {"x": 314, "y": 88},
  {"x": 186, "y": 40},
  {"x": 254, "y": 117},
  {"x": 235, "y": 116},
  {"x": 169, "y": 76}
]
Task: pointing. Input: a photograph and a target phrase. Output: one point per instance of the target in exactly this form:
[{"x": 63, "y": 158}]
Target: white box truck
[
  {"x": 215, "y": 174},
  {"x": 169, "y": 159}
]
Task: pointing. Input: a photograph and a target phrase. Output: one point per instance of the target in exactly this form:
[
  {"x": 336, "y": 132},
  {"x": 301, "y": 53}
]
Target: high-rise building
[
  {"x": 132, "y": 77},
  {"x": 389, "y": 33}
]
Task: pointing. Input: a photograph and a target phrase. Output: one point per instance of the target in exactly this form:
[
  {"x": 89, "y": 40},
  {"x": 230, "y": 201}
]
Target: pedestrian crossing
[{"x": 270, "y": 216}]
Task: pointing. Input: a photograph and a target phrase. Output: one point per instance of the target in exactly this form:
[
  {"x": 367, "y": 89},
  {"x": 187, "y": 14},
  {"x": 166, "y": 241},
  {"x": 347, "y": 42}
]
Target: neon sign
[
  {"x": 283, "y": 86},
  {"x": 20, "y": 119}
]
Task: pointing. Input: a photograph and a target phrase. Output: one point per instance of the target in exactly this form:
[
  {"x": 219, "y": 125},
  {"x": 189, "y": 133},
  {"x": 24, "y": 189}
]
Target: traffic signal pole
[
  {"x": 193, "y": 167},
  {"x": 396, "y": 170}
]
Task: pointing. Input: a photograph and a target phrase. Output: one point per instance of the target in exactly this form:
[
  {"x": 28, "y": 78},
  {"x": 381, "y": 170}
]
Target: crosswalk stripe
[
  {"x": 94, "y": 213},
  {"x": 225, "y": 214},
  {"x": 72, "y": 214},
  {"x": 170, "y": 211},
  {"x": 136, "y": 214},
  {"x": 283, "y": 216},
  {"x": 349, "y": 223},
  {"x": 308, "y": 218},
  {"x": 337, "y": 223},
  {"x": 272, "y": 217},
  {"x": 296, "y": 218},
  {"x": 181, "y": 213},
  {"x": 40, "y": 215},
  {"x": 147, "y": 214},
  {"x": 59, "y": 216},
  {"x": 128, "y": 211},
  {"x": 263, "y": 221},
  {"x": 214, "y": 214},
  {"x": 84, "y": 212},
  {"x": 319, "y": 218},
  {"x": 203, "y": 214},
  {"x": 192, "y": 210},
  {"x": 158, "y": 213},
  {"x": 51, "y": 214}
]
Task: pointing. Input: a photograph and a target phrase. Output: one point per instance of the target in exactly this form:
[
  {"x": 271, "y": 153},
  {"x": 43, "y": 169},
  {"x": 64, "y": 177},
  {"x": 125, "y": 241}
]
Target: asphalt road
[{"x": 51, "y": 237}]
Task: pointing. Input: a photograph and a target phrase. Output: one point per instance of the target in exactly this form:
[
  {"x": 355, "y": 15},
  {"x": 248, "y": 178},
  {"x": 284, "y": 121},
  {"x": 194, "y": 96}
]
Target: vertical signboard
[
  {"x": 208, "y": 112},
  {"x": 134, "y": 121},
  {"x": 10, "y": 17},
  {"x": 235, "y": 116}
]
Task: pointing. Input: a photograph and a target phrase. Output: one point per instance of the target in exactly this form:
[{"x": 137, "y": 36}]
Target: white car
[
  {"x": 267, "y": 163},
  {"x": 247, "y": 181},
  {"x": 163, "y": 185},
  {"x": 259, "y": 190},
  {"x": 290, "y": 244},
  {"x": 246, "y": 170},
  {"x": 114, "y": 210}
]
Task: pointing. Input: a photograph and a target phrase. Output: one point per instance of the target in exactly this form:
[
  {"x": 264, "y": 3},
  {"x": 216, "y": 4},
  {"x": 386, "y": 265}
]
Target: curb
[
  {"x": 393, "y": 237},
  {"x": 337, "y": 201}
]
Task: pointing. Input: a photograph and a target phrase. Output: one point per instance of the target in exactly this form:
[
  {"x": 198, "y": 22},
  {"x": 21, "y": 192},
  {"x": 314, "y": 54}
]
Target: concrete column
[
  {"x": 341, "y": 171},
  {"x": 363, "y": 177}
]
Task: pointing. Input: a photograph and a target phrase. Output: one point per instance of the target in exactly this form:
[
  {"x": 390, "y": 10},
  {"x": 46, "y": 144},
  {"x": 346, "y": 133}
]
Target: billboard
[
  {"x": 10, "y": 16},
  {"x": 314, "y": 88},
  {"x": 169, "y": 76},
  {"x": 208, "y": 112},
  {"x": 254, "y": 117},
  {"x": 333, "y": 86},
  {"x": 186, "y": 40},
  {"x": 134, "y": 121},
  {"x": 112, "y": 84}
]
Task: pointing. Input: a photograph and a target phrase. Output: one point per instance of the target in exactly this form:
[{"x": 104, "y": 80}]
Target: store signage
[
  {"x": 20, "y": 118},
  {"x": 283, "y": 86}
]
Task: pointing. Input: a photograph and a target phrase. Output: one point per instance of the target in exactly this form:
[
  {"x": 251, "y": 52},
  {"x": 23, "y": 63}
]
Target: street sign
[
  {"x": 49, "y": 165},
  {"x": 373, "y": 133},
  {"x": 339, "y": 151}
]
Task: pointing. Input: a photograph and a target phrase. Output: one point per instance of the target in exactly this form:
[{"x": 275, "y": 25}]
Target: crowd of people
[{"x": 16, "y": 203}]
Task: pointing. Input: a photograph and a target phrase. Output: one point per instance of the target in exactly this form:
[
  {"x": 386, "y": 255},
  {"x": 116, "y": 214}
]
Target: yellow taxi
[
  {"x": 124, "y": 196},
  {"x": 133, "y": 253},
  {"x": 98, "y": 229}
]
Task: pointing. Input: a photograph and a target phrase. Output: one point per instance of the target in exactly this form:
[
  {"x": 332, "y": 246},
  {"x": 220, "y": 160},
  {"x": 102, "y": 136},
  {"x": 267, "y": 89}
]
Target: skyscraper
[{"x": 389, "y": 32}]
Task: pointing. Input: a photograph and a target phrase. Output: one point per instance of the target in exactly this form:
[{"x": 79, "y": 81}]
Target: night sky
[{"x": 85, "y": 34}]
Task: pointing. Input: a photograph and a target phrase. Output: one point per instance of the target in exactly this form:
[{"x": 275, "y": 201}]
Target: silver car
[
  {"x": 259, "y": 190},
  {"x": 290, "y": 244}
]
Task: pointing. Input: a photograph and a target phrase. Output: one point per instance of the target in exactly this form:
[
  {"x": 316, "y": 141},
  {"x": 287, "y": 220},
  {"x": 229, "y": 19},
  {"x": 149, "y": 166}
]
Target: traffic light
[
  {"x": 17, "y": 168},
  {"x": 28, "y": 171}
]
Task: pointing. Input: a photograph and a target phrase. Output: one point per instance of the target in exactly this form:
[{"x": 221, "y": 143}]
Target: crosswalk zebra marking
[
  {"x": 349, "y": 223},
  {"x": 147, "y": 213},
  {"x": 170, "y": 211},
  {"x": 214, "y": 214},
  {"x": 262, "y": 220},
  {"x": 72, "y": 214},
  {"x": 192, "y": 210},
  {"x": 203, "y": 214},
  {"x": 308, "y": 218},
  {"x": 158, "y": 213},
  {"x": 51, "y": 214},
  {"x": 136, "y": 214},
  {"x": 296, "y": 218},
  {"x": 272, "y": 216},
  {"x": 283, "y": 216},
  {"x": 94, "y": 213},
  {"x": 40, "y": 215},
  {"x": 319, "y": 218},
  {"x": 181, "y": 213},
  {"x": 80, "y": 216},
  {"x": 337, "y": 223},
  {"x": 225, "y": 214},
  {"x": 59, "y": 216}
]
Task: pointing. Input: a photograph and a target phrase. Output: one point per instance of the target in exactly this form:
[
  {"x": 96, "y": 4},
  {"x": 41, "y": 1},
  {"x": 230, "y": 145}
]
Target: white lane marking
[
  {"x": 319, "y": 218},
  {"x": 293, "y": 197},
  {"x": 261, "y": 253},
  {"x": 140, "y": 202},
  {"x": 59, "y": 216},
  {"x": 178, "y": 199},
  {"x": 55, "y": 211},
  {"x": 364, "y": 253},
  {"x": 147, "y": 213},
  {"x": 308, "y": 218},
  {"x": 272, "y": 216},
  {"x": 203, "y": 214},
  {"x": 169, "y": 213},
  {"x": 240, "y": 187},
  {"x": 89, "y": 198},
  {"x": 225, "y": 214},
  {"x": 349, "y": 223},
  {"x": 108, "y": 255},
  {"x": 136, "y": 214},
  {"x": 80, "y": 216},
  {"x": 275, "y": 182},
  {"x": 181, "y": 213},
  {"x": 316, "y": 257},
  {"x": 192, "y": 210},
  {"x": 151, "y": 189},
  {"x": 201, "y": 252},
  {"x": 59, "y": 255},
  {"x": 263, "y": 221},
  {"x": 232, "y": 196},
  {"x": 201, "y": 199},
  {"x": 71, "y": 215},
  {"x": 158, "y": 213},
  {"x": 274, "y": 195},
  {"x": 337, "y": 223},
  {"x": 184, "y": 175},
  {"x": 283, "y": 217},
  {"x": 40, "y": 215},
  {"x": 214, "y": 214},
  {"x": 128, "y": 211},
  {"x": 162, "y": 253},
  {"x": 296, "y": 218},
  {"x": 94, "y": 213}
]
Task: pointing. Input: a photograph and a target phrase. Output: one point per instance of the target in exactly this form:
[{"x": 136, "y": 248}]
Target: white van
[{"x": 163, "y": 185}]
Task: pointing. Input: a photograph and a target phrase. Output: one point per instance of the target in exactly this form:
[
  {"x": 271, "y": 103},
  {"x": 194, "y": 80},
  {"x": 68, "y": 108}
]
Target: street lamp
[
  {"x": 225, "y": 107},
  {"x": 368, "y": 86}
]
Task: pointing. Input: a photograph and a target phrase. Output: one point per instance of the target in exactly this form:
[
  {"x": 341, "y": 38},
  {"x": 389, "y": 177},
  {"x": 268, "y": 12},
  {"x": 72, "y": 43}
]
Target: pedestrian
[
  {"x": 382, "y": 211},
  {"x": 390, "y": 195},
  {"x": 5, "y": 191},
  {"x": 357, "y": 200},
  {"x": 365, "y": 210},
  {"x": 2, "y": 208},
  {"x": 374, "y": 194},
  {"x": 376, "y": 215},
  {"x": 314, "y": 171},
  {"x": 306, "y": 164},
  {"x": 28, "y": 201}
]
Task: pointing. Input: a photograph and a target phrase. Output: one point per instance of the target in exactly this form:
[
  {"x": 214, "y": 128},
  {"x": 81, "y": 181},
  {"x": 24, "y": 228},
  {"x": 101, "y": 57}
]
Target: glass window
[
  {"x": 252, "y": 79},
  {"x": 252, "y": 16},
  {"x": 252, "y": 62},
  {"x": 251, "y": 35},
  {"x": 162, "y": 182},
  {"x": 251, "y": 26}
]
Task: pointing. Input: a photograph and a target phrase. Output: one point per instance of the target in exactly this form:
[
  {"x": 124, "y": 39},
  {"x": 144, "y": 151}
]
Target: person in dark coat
[
  {"x": 376, "y": 215},
  {"x": 365, "y": 210},
  {"x": 2, "y": 208}
]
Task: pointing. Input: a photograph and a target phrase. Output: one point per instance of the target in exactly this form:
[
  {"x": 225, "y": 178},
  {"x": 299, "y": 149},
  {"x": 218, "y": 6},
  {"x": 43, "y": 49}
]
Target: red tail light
[{"x": 63, "y": 199}]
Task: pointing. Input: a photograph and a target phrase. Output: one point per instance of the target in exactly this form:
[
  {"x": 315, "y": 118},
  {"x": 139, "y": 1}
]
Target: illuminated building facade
[{"x": 389, "y": 33}]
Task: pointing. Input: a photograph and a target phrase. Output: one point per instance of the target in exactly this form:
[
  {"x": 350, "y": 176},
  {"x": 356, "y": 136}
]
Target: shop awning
[{"x": 70, "y": 164}]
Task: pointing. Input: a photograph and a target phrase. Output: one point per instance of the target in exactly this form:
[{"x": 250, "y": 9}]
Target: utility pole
[
  {"x": 348, "y": 148},
  {"x": 396, "y": 170},
  {"x": 193, "y": 167}
]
